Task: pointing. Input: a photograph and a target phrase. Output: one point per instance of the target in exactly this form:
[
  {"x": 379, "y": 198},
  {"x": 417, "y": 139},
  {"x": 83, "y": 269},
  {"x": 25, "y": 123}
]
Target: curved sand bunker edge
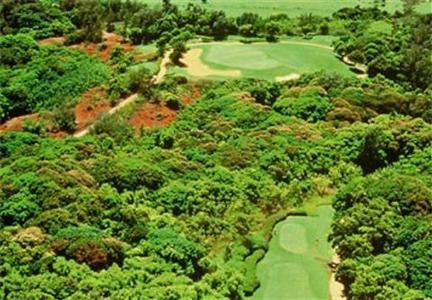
[
  {"x": 195, "y": 67},
  {"x": 289, "y": 77},
  {"x": 336, "y": 288}
]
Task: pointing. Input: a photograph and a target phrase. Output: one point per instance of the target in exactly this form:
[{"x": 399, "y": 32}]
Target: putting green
[
  {"x": 220, "y": 60},
  {"x": 295, "y": 266}
]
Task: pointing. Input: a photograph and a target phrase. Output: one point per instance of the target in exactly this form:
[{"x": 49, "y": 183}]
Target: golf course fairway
[
  {"x": 295, "y": 266},
  {"x": 266, "y": 61}
]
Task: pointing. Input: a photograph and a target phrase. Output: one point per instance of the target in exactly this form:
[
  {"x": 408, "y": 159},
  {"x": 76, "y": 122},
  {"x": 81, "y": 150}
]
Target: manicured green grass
[
  {"x": 271, "y": 60},
  {"x": 295, "y": 264},
  {"x": 290, "y": 7},
  {"x": 380, "y": 27},
  {"x": 424, "y": 8}
]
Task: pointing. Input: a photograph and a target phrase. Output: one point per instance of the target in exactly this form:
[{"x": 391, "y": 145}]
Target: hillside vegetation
[{"x": 175, "y": 195}]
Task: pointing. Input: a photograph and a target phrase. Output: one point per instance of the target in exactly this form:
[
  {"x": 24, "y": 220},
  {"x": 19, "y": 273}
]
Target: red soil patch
[
  {"x": 93, "y": 103},
  {"x": 191, "y": 97},
  {"x": 16, "y": 124},
  {"x": 110, "y": 40},
  {"x": 151, "y": 115}
]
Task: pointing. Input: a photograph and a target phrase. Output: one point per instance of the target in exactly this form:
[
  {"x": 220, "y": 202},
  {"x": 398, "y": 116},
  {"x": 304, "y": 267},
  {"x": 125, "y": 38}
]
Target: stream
[{"x": 295, "y": 266}]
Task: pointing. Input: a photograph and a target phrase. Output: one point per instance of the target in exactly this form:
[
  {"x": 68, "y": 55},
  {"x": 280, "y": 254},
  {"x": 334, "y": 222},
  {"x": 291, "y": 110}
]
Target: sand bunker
[
  {"x": 292, "y": 76},
  {"x": 195, "y": 67},
  {"x": 336, "y": 288}
]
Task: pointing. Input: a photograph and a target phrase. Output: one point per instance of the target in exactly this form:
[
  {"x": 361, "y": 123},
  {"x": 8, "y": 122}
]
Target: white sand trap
[
  {"x": 336, "y": 288},
  {"x": 292, "y": 76},
  {"x": 197, "y": 68}
]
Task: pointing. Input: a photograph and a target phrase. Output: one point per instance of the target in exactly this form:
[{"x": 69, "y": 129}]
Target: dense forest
[{"x": 186, "y": 210}]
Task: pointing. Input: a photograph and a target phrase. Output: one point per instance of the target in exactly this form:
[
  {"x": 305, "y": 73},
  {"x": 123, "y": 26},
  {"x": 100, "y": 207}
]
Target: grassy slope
[
  {"x": 290, "y": 7},
  {"x": 295, "y": 265}
]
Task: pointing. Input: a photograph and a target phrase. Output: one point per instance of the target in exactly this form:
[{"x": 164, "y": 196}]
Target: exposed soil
[
  {"x": 151, "y": 115},
  {"x": 110, "y": 110},
  {"x": 110, "y": 40},
  {"x": 53, "y": 41},
  {"x": 158, "y": 114},
  {"x": 189, "y": 98},
  {"x": 93, "y": 103},
  {"x": 16, "y": 124}
]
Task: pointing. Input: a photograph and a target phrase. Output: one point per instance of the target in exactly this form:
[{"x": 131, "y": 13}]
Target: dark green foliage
[
  {"x": 403, "y": 54},
  {"x": 40, "y": 18},
  {"x": 64, "y": 119},
  {"x": 54, "y": 76},
  {"x": 310, "y": 108},
  {"x": 383, "y": 226},
  {"x": 185, "y": 211},
  {"x": 175, "y": 248},
  {"x": 17, "y": 49}
]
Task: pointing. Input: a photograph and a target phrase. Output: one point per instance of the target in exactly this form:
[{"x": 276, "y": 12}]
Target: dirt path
[
  {"x": 113, "y": 110},
  {"x": 163, "y": 68},
  {"x": 157, "y": 79}
]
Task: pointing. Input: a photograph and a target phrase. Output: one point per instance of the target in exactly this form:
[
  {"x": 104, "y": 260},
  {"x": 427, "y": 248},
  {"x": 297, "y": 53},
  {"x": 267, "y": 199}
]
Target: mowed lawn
[
  {"x": 290, "y": 7},
  {"x": 269, "y": 61},
  {"x": 295, "y": 266}
]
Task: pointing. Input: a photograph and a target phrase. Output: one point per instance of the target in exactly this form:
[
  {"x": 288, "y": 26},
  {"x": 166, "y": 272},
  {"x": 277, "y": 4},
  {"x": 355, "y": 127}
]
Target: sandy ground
[
  {"x": 16, "y": 124},
  {"x": 359, "y": 67},
  {"x": 292, "y": 76},
  {"x": 195, "y": 67},
  {"x": 336, "y": 288}
]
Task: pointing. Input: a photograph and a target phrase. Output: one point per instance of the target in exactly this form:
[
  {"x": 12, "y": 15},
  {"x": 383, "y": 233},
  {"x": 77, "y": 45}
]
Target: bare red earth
[
  {"x": 16, "y": 124},
  {"x": 109, "y": 39},
  {"x": 93, "y": 103},
  {"x": 151, "y": 115},
  {"x": 189, "y": 98}
]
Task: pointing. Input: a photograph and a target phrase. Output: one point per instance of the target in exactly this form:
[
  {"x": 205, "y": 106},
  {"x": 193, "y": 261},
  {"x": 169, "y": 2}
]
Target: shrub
[
  {"x": 308, "y": 108},
  {"x": 17, "y": 49},
  {"x": 64, "y": 119}
]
